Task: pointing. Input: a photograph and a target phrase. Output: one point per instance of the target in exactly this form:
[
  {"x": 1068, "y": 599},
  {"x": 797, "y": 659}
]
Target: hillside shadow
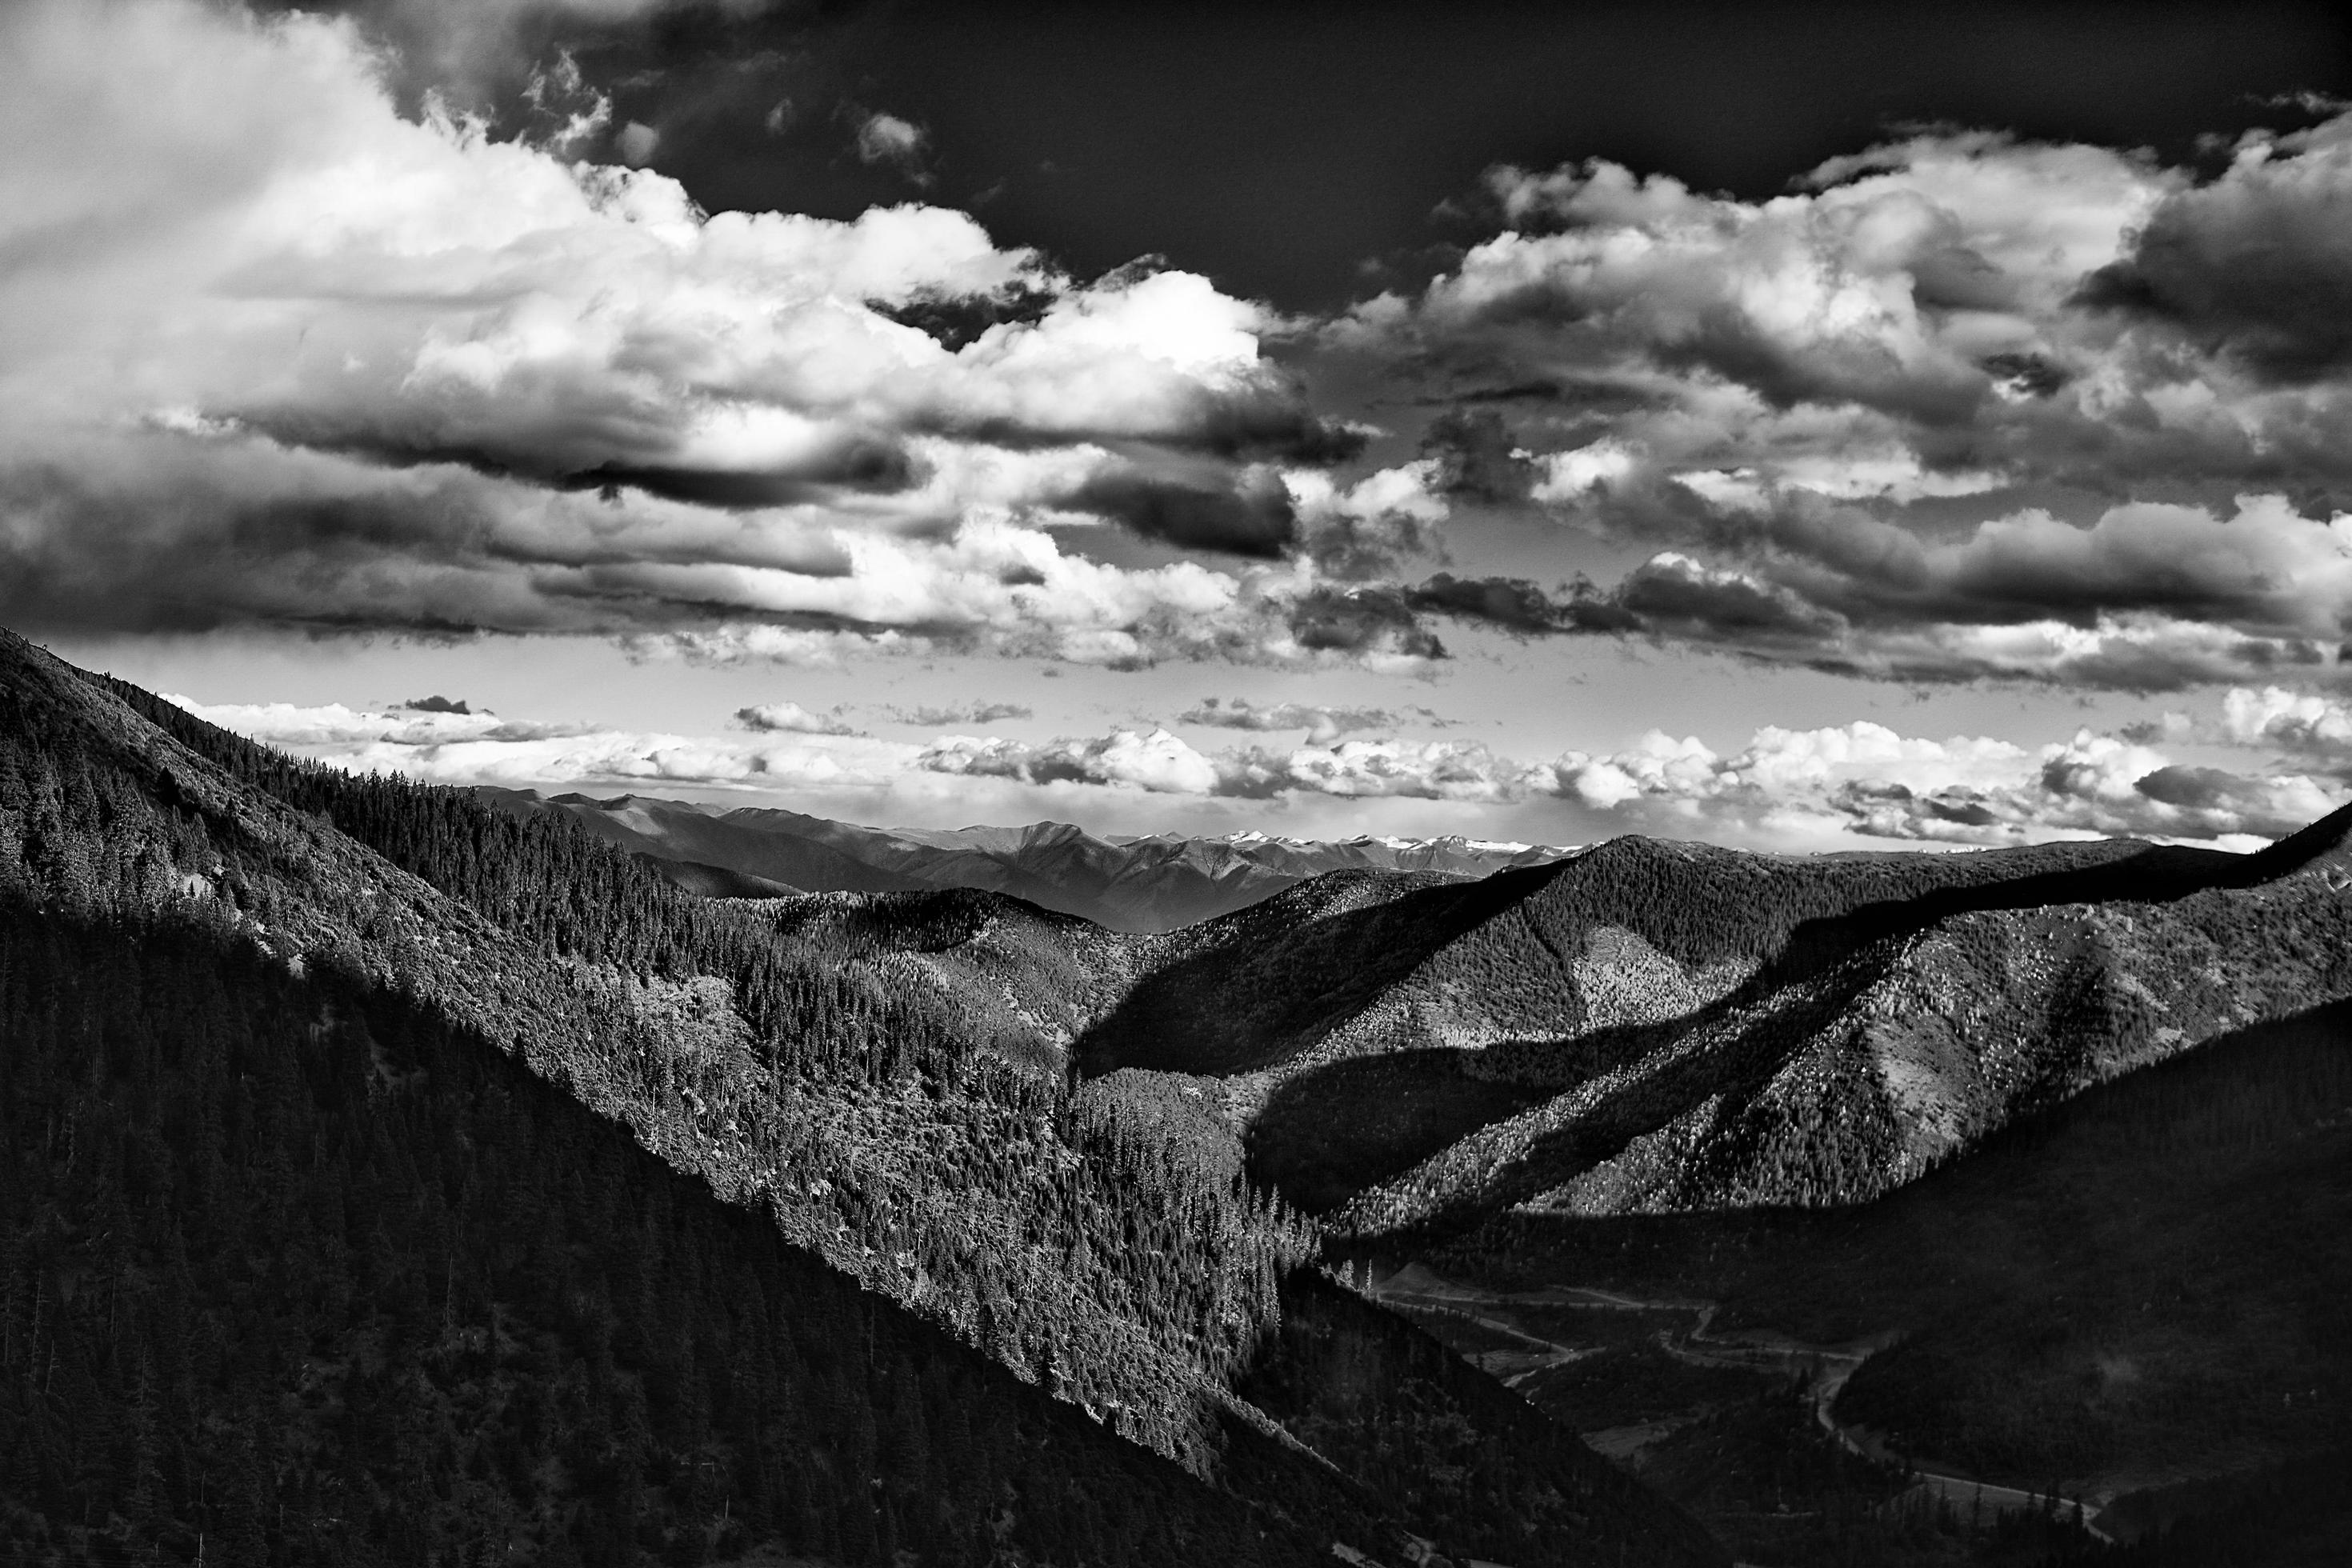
[
  {"x": 1325, "y": 1135},
  {"x": 2153, "y": 874},
  {"x": 1258, "y": 993}
]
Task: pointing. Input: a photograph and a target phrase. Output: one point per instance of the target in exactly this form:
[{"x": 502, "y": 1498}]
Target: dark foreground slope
[
  {"x": 2140, "y": 1296},
  {"x": 298, "y": 1272},
  {"x": 835, "y": 1083}
]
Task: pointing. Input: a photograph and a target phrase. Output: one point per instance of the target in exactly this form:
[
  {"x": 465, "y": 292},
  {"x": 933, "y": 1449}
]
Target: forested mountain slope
[
  {"x": 1652, "y": 1025},
  {"x": 295, "y": 1271},
  {"x": 823, "y": 1061}
]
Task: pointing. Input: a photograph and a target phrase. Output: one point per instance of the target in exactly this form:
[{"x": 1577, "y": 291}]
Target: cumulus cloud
[
  {"x": 271, "y": 352},
  {"x": 1787, "y": 399},
  {"x": 793, "y": 719},
  {"x": 2256, "y": 265},
  {"x": 1370, "y": 528},
  {"x": 1864, "y": 779},
  {"x": 1151, "y": 759},
  {"x": 1432, "y": 770}
]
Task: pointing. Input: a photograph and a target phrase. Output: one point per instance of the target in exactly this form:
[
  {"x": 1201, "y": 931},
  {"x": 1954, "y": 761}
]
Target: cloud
[
  {"x": 1322, "y": 725},
  {"x": 938, "y": 717},
  {"x": 1478, "y": 458},
  {"x": 1205, "y": 506},
  {"x": 1865, "y": 780},
  {"x": 270, "y": 352},
  {"x": 410, "y": 725},
  {"x": 2257, "y": 264},
  {"x": 1369, "y": 621},
  {"x": 1834, "y": 417},
  {"x": 636, "y": 144},
  {"x": 1886, "y": 284},
  {"x": 1433, "y": 770},
  {"x": 470, "y": 47},
  {"x": 1368, "y": 529},
  {"x": 1813, "y": 788},
  {"x": 886, "y": 139},
  {"x": 791, "y": 718},
  {"x": 1127, "y": 759},
  {"x": 2147, "y": 597}
]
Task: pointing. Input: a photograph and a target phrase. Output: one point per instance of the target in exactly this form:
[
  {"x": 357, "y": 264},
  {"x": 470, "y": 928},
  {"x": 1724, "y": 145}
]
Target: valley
[{"x": 1654, "y": 1201}]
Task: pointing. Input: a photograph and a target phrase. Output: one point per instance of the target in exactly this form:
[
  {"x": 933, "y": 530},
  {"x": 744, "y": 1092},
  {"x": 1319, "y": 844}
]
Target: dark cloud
[
  {"x": 2257, "y": 264},
  {"x": 1196, "y": 508},
  {"x": 1516, "y": 604},
  {"x": 790, "y": 717},
  {"x": 1361, "y": 620},
  {"x": 1478, "y": 456},
  {"x": 435, "y": 705},
  {"x": 956, "y": 320},
  {"x": 2033, "y": 374},
  {"x": 2196, "y": 788},
  {"x": 869, "y": 467},
  {"x": 1675, "y": 594}
]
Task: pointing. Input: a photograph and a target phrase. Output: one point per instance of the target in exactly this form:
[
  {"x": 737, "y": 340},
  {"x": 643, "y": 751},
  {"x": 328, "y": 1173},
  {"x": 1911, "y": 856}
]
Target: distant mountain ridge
[
  {"x": 1145, "y": 884},
  {"x": 1653, "y": 1026}
]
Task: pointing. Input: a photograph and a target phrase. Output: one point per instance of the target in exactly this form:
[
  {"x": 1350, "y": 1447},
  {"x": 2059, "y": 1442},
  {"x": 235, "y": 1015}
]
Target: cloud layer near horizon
[{"x": 1785, "y": 788}]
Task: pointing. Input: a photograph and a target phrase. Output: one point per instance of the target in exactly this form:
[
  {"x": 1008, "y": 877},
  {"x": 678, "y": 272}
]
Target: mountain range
[
  {"x": 393, "y": 1178},
  {"x": 1814, "y": 1190},
  {"x": 1153, "y": 883}
]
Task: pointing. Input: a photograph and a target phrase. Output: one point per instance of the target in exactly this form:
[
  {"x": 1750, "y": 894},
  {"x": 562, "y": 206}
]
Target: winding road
[{"x": 1827, "y": 1368}]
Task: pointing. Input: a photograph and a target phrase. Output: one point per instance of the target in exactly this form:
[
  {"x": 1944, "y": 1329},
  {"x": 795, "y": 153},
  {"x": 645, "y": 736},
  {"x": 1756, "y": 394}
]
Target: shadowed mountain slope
[
  {"x": 829, "y": 1067},
  {"x": 299, "y": 1272},
  {"x": 2142, "y": 1285}
]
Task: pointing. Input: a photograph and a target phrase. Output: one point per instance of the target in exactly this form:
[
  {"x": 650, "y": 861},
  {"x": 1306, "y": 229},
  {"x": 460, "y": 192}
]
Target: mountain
[
  {"x": 1776, "y": 1175},
  {"x": 1144, "y": 884},
  {"x": 2137, "y": 1297},
  {"x": 1647, "y": 1026},
  {"x": 395, "y": 1173}
]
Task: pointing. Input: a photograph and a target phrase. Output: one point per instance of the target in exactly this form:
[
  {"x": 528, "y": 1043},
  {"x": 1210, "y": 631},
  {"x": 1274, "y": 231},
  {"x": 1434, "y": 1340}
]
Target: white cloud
[
  {"x": 2297, "y": 722},
  {"x": 886, "y": 139},
  {"x": 1128, "y": 759},
  {"x": 1868, "y": 780},
  {"x": 269, "y": 351},
  {"x": 637, "y": 143}
]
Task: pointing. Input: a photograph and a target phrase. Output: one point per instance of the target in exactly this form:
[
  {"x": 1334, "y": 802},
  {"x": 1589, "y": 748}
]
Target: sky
[{"x": 1803, "y": 427}]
